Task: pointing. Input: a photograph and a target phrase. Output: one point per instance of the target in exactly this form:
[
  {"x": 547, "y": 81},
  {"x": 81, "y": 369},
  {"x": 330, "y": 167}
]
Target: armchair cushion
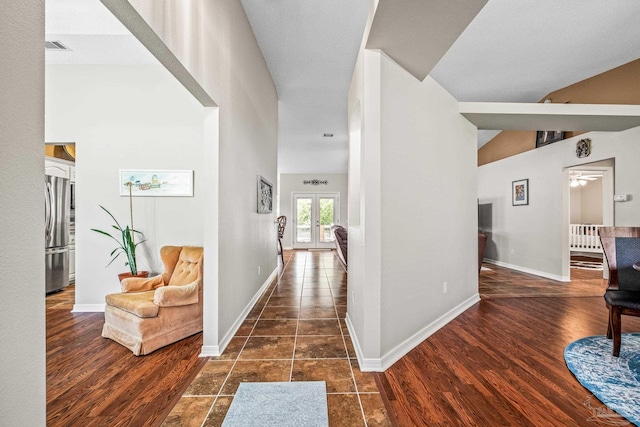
[
  {"x": 137, "y": 303},
  {"x": 187, "y": 267},
  {"x": 138, "y": 284},
  {"x": 173, "y": 296}
]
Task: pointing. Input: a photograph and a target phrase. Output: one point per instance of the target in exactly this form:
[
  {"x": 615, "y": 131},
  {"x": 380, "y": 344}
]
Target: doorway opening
[
  {"x": 590, "y": 206},
  {"x": 313, "y": 216}
]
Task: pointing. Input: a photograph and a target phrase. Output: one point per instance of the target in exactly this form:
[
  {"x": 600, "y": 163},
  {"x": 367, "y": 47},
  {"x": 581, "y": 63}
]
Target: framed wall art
[
  {"x": 156, "y": 183},
  {"x": 265, "y": 196},
  {"x": 546, "y": 137},
  {"x": 520, "y": 192},
  {"x": 583, "y": 148}
]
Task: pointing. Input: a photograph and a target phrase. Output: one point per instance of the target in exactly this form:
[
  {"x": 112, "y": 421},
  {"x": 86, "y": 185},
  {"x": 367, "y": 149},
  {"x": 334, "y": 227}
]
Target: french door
[{"x": 313, "y": 216}]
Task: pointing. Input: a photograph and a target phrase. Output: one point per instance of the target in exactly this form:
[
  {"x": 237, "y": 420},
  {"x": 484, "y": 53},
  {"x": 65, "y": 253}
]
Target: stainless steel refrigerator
[{"x": 57, "y": 204}]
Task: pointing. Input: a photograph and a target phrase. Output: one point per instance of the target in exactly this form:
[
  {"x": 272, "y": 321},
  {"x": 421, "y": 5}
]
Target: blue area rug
[
  {"x": 613, "y": 380},
  {"x": 285, "y": 404}
]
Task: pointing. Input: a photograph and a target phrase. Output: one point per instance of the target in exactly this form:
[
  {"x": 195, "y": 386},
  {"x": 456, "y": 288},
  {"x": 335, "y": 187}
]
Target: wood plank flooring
[
  {"x": 500, "y": 282},
  {"x": 500, "y": 363},
  {"x": 93, "y": 381}
]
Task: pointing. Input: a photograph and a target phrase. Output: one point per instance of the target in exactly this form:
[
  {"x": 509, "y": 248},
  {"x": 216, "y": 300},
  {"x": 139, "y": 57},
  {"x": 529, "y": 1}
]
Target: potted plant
[{"x": 126, "y": 243}]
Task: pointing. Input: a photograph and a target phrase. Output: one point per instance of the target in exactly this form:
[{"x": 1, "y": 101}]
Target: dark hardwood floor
[
  {"x": 500, "y": 363},
  {"x": 93, "y": 381},
  {"x": 500, "y": 282}
]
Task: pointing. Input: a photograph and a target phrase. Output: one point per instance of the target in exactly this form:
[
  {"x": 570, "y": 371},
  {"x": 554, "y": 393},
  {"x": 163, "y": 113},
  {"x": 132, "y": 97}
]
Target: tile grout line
[
  {"x": 225, "y": 381},
  {"x": 308, "y": 266},
  {"x": 239, "y": 353},
  {"x": 344, "y": 342},
  {"x": 295, "y": 339}
]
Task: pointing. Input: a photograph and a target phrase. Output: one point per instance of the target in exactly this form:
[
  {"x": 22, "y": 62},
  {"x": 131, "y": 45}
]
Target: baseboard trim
[
  {"x": 544, "y": 274},
  {"x": 366, "y": 365},
  {"x": 217, "y": 350},
  {"x": 391, "y": 357},
  {"x": 210, "y": 351},
  {"x": 88, "y": 308}
]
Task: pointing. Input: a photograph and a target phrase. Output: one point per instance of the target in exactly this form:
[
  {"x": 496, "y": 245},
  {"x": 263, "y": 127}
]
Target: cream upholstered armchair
[{"x": 153, "y": 312}]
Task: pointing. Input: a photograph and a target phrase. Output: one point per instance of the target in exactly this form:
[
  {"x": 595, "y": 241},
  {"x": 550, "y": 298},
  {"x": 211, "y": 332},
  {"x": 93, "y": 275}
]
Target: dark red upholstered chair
[{"x": 341, "y": 240}]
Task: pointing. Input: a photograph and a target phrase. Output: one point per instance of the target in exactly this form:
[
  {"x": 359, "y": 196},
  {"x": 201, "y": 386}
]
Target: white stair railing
[{"x": 585, "y": 238}]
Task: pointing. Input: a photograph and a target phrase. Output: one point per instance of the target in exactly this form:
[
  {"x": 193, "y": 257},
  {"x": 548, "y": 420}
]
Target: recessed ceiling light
[{"x": 328, "y": 135}]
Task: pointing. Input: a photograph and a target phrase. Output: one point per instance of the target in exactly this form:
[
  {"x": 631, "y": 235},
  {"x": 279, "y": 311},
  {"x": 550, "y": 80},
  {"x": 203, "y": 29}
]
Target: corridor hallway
[{"x": 295, "y": 332}]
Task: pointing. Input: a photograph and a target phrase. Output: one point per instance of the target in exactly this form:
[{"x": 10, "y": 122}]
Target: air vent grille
[{"x": 54, "y": 45}]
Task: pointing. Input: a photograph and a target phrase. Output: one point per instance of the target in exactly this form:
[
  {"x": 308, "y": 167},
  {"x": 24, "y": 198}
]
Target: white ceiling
[
  {"x": 519, "y": 51},
  {"x": 513, "y": 51},
  {"x": 92, "y": 33},
  {"x": 310, "y": 47}
]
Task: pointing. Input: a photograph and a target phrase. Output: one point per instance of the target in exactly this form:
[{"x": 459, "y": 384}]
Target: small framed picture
[
  {"x": 265, "y": 196},
  {"x": 583, "y": 148},
  {"x": 520, "y": 192}
]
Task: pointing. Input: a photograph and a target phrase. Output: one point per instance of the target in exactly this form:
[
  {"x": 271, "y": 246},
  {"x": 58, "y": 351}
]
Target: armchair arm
[
  {"x": 139, "y": 284},
  {"x": 173, "y": 296}
]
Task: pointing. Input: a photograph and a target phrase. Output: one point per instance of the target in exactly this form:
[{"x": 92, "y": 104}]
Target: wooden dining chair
[
  {"x": 282, "y": 223},
  {"x": 621, "y": 247}
]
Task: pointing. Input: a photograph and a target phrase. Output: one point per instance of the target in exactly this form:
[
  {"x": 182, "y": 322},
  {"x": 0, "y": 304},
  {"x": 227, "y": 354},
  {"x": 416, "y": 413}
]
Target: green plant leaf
[
  {"x": 112, "y": 217},
  {"x": 126, "y": 243}
]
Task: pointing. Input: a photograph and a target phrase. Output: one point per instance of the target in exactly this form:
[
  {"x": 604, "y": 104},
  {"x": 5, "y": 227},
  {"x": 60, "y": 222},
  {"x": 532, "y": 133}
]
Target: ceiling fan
[{"x": 578, "y": 178}]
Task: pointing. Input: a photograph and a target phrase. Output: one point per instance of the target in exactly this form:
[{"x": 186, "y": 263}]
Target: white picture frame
[
  {"x": 520, "y": 192},
  {"x": 156, "y": 183}
]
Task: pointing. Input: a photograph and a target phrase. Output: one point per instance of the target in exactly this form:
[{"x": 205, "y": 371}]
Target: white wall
[
  {"x": 591, "y": 202},
  {"x": 575, "y": 196},
  {"x": 22, "y": 309},
  {"x": 364, "y": 279},
  {"x": 531, "y": 237},
  {"x": 294, "y": 183},
  {"x": 586, "y": 203},
  {"x": 417, "y": 225},
  {"x": 429, "y": 219},
  {"x": 214, "y": 41},
  {"x": 125, "y": 117}
]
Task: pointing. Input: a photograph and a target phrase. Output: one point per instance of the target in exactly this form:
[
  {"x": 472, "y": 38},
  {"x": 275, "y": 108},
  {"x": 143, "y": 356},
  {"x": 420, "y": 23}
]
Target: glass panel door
[
  {"x": 327, "y": 218},
  {"x": 314, "y": 214},
  {"x": 303, "y": 220}
]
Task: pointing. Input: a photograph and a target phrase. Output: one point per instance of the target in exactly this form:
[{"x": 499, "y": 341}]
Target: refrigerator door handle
[
  {"x": 56, "y": 250},
  {"x": 47, "y": 211}
]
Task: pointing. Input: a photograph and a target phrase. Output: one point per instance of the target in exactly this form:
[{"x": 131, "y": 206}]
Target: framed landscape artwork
[
  {"x": 520, "y": 192},
  {"x": 156, "y": 183},
  {"x": 265, "y": 196}
]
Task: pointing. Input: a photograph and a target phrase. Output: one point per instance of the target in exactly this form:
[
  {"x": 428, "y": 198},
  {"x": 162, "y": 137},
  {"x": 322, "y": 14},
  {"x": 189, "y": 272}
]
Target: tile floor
[{"x": 295, "y": 332}]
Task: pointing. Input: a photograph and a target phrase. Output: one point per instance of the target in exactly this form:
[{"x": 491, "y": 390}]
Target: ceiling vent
[
  {"x": 328, "y": 135},
  {"x": 54, "y": 45}
]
